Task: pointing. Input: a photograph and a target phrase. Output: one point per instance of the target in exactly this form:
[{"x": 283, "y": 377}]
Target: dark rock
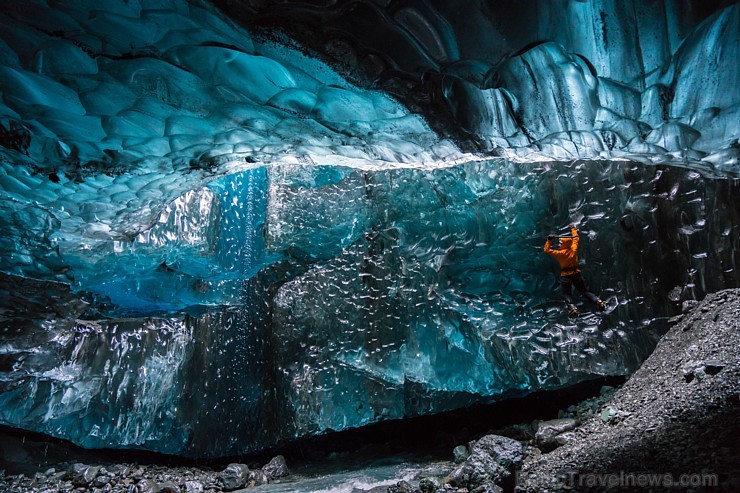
[
  {"x": 57, "y": 477},
  {"x": 506, "y": 451},
  {"x": 234, "y": 476},
  {"x": 257, "y": 478},
  {"x": 402, "y": 487},
  {"x": 687, "y": 305},
  {"x": 429, "y": 485},
  {"x": 115, "y": 470},
  {"x": 101, "y": 481},
  {"x": 192, "y": 487},
  {"x": 548, "y": 433},
  {"x": 713, "y": 366},
  {"x": 169, "y": 488},
  {"x": 461, "y": 453},
  {"x": 491, "y": 460},
  {"x": 82, "y": 474},
  {"x": 276, "y": 468},
  {"x": 147, "y": 486},
  {"x": 562, "y": 439}
]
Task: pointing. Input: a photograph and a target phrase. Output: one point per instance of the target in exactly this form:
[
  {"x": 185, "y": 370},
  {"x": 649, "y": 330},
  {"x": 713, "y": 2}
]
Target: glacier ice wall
[
  {"x": 214, "y": 242},
  {"x": 379, "y": 295},
  {"x": 110, "y": 111}
]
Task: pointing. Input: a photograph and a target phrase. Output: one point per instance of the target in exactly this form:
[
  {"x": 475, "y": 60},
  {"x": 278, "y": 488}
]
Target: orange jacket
[{"x": 567, "y": 254}]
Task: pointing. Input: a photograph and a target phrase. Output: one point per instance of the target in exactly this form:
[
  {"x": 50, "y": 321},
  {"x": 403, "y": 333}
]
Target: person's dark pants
[{"x": 577, "y": 280}]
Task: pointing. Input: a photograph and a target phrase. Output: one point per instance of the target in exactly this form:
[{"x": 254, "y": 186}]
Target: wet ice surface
[
  {"x": 110, "y": 111},
  {"x": 343, "y": 297}
]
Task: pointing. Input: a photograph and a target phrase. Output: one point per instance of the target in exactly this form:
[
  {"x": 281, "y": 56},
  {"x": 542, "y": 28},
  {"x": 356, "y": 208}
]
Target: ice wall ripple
[
  {"x": 389, "y": 293},
  {"x": 110, "y": 111},
  {"x": 540, "y": 79}
]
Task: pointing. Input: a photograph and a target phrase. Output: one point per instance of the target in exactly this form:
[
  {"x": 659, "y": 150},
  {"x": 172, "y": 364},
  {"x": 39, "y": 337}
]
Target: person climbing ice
[{"x": 565, "y": 251}]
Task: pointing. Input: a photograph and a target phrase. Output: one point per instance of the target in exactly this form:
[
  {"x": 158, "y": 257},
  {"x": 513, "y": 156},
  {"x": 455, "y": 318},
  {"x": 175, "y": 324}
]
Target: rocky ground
[
  {"x": 671, "y": 427},
  {"x": 135, "y": 478}
]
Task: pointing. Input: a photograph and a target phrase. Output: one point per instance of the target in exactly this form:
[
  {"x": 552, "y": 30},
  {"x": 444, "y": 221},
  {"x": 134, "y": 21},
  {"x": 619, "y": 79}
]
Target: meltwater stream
[{"x": 355, "y": 480}]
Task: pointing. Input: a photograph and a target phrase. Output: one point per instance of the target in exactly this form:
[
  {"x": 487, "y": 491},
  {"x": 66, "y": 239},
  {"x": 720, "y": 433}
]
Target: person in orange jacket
[{"x": 566, "y": 253}]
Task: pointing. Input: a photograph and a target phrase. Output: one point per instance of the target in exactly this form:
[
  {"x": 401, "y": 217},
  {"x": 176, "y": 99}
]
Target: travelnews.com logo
[{"x": 638, "y": 480}]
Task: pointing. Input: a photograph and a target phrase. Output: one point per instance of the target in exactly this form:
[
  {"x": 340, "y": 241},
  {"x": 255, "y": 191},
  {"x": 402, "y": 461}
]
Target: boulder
[
  {"x": 700, "y": 369},
  {"x": 257, "y": 478},
  {"x": 169, "y": 488},
  {"x": 491, "y": 461},
  {"x": 82, "y": 474},
  {"x": 460, "y": 453},
  {"x": 192, "y": 487},
  {"x": 549, "y": 433},
  {"x": 429, "y": 485},
  {"x": 276, "y": 468},
  {"x": 147, "y": 486},
  {"x": 235, "y": 476}
]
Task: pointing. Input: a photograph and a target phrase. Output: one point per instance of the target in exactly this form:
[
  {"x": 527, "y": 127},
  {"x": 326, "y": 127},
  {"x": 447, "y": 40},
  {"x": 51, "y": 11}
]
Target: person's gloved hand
[{"x": 551, "y": 237}]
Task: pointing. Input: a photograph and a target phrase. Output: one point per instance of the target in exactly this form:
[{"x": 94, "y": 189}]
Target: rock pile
[{"x": 133, "y": 478}]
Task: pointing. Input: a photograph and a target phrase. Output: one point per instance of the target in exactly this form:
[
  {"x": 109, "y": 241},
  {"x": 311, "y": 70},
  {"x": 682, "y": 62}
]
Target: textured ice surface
[
  {"x": 509, "y": 74},
  {"x": 381, "y": 294},
  {"x": 213, "y": 242},
  {"x": 108, "y": 112}
]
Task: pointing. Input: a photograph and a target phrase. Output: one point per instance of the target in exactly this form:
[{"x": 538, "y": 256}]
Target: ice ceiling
[{"x": 228, "y": 225}]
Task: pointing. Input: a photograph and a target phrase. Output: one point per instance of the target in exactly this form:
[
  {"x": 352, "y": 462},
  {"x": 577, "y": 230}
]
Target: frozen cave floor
[{"x": 675, "y": 419}]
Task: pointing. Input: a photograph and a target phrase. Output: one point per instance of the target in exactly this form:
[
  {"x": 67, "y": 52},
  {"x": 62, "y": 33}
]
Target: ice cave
[{"x": 230, "y": 224}]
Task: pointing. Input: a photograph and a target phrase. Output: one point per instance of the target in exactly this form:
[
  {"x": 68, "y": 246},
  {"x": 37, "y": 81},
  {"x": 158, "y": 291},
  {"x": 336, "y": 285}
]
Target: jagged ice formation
[
  {"x": 213, "y": 241},
  {"x": 542, "y": 79}
]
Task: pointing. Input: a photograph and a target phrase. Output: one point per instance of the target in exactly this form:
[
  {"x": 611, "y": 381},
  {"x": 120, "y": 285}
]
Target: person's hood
[{"x": 565, "y": 243}]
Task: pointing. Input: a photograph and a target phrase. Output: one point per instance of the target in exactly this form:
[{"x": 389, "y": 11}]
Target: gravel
[{"x": 674, "y": 423}]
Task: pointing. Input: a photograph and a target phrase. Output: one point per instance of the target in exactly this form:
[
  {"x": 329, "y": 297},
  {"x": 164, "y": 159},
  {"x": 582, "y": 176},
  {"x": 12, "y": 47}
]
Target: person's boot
[
  {"x": 572, "y": 311},
  {"x": 602, "y": 305}
]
